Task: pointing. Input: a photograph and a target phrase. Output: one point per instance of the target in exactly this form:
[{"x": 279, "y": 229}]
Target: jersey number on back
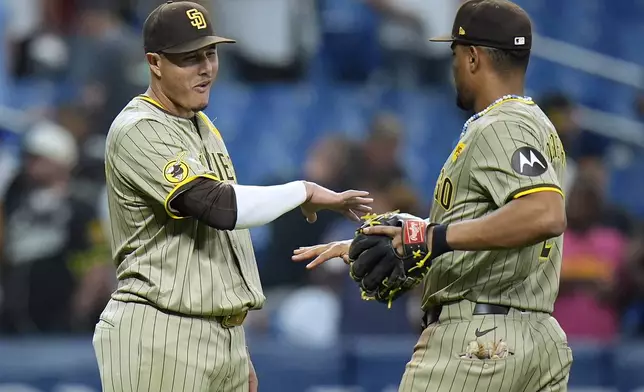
[{"x": 444, "y": 191}]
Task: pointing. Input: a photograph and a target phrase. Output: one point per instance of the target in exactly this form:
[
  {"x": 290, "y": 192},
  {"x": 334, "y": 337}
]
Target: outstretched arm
[
  {"x": 231, "y": 206},
  {"x": 153, "y": 160},
  {"x": 522, "y": 222}
]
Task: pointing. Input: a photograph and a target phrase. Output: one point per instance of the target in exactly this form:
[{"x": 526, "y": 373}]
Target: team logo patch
[
  {"x": 197, "y": 18},
  {"x": 528, "y": 161},
  {"x": 176, "y": 170}
]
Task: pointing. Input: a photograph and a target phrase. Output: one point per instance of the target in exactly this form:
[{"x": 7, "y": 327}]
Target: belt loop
[{"x": 234, "y": 320}]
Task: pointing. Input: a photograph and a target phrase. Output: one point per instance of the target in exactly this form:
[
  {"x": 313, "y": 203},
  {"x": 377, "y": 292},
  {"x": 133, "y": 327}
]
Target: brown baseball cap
[
  {"x": 179, "y": 27},
  {"x": 497, "y": 24}
]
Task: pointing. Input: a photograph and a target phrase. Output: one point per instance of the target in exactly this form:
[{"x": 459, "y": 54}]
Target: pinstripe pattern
[
  {"x": 175, "y": 264},
  {"x": 484, "y": 181},
  {"x": 164, "y": 352},
  {"x": 477, "y": 178},
  {"x": 541, "y": 360}
]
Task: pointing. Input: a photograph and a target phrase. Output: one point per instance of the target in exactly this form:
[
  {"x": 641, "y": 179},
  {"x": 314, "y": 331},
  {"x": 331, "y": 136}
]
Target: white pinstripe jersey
[
  {"x": 511, "y": 151},
  {"x": 175, "y": 263}
]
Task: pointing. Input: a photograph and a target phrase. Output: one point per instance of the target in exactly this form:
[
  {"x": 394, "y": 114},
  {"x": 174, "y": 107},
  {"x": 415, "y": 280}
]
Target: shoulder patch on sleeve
[
  {"x": 176, "y": 170},
  {"x": 529, "y": 161},
  {"x": 458, "y": 150}
]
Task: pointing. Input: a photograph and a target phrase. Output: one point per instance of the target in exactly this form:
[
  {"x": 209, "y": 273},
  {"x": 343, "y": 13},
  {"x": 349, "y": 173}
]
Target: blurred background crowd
[{"x": 346, "y": 93}]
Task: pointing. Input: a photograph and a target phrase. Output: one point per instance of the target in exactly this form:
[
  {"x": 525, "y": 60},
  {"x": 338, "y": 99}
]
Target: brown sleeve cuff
[{"x": 209, "y": 201}]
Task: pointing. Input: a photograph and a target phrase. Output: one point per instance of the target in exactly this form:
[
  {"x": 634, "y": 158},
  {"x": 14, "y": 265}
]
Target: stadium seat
[
  {"x": 629, "y": 366},
  {"x": 377, "y": 363},
  {"x": 624, "y": 190},
  {"x": 47, "y": 363},
  {"x": 284, "y": 368},
  {"x": 591, "y": 366},
  {"x": 625, "y": 45}
]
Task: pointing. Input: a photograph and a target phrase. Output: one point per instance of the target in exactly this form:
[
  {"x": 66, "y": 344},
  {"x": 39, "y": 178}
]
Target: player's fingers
[
  {"x": 359, "y": 200},
  {"x": 396, "y": 243},
  {"x": 381, "y": 230},
  {"x": 352, "y": 193},
  {"x": 329, "y": 254},
  {"x": 311, "y": 217},
  {"x": 303, "y": 249},
  {"x": 362, "y": 208},
  {"x": 351, "y": 216},
  {"x": 357, "y": 214},
  {"x": 308, "y": 252},
  {"x": 309, "y": 213}
]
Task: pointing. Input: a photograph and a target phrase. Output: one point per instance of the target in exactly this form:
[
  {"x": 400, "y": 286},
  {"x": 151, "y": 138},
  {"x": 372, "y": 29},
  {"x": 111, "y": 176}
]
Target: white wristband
[{"x": 259, "y": 205}]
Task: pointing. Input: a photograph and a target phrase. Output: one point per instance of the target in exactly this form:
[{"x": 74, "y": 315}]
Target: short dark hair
[
  {"x": 508, "y": 60},
  {"x": 555, "y": 101}
]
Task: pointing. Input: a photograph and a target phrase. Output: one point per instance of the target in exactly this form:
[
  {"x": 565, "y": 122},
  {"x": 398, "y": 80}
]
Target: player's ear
[
  {"x": 474, "y": 58},
  {"x": 153, "y": 60}
]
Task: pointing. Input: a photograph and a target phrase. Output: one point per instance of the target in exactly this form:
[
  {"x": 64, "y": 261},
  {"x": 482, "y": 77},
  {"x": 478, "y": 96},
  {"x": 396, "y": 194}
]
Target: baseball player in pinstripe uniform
[
  {"x": 490, "y": 253},
  {"x": 179, "y": 221}
]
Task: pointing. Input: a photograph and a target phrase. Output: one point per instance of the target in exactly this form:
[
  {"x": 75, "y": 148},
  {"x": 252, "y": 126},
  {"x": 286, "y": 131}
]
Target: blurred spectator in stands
[
  {"x": 44, "y": 227},
  {"x": 9, "y": 165},
  {"x": 107, "y": 62},
  {"x": 349, "y": 49},
  {"x": 35, "y": 30},
  {"x": 9, "y": 159},
  {"x": 374, "y": 166},
  {"x": 326, "y": 165},
  {"x": 275, "y": 38},
  {"x": 584, "y": 149},
  {"x": 310, "y": 315},
  {"x": 585, "y": 155},
  {"x": 632, "y": 288},
  {"x": 611, "y": 215},
  {"x": 4, "y": 61},
  {"x": 410, "y": 60},
  {"x": 359, "y": 316},
  {"x": 376, "y": 163},
  {"x": 639, "y": 106},
  {"x": 89, "y": 173},
  {"x": 330, "y": 305},
  {"x": 593, "y": 258},
  {"x": 380, "y": 149}
]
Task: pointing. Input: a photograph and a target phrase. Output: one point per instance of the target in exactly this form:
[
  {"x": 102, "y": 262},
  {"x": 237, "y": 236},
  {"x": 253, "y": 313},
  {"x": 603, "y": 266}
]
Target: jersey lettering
[
  {"x": 226, "y": 164},
  {"x": 555, "y": 149},
  {"x": 444, "y": 191}
]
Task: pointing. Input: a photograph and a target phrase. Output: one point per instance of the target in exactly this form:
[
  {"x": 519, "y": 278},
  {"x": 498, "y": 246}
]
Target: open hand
[
  {"x": 350, "y": 203},
  {"x": 323, "y": 253}
]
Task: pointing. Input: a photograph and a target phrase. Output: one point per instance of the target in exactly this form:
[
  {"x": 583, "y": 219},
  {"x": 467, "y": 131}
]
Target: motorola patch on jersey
[{"x": 528, "y": 161}]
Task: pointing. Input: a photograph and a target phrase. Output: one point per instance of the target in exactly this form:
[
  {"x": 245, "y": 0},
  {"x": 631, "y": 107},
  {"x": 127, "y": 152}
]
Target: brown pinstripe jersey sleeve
[
  {"x": 509, "y": 160},
  {"x": 157, "y": 161}
]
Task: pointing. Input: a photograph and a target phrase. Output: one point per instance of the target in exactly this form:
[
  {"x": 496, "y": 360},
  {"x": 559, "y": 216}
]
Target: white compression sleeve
[{"x": 259, "y": 205}]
